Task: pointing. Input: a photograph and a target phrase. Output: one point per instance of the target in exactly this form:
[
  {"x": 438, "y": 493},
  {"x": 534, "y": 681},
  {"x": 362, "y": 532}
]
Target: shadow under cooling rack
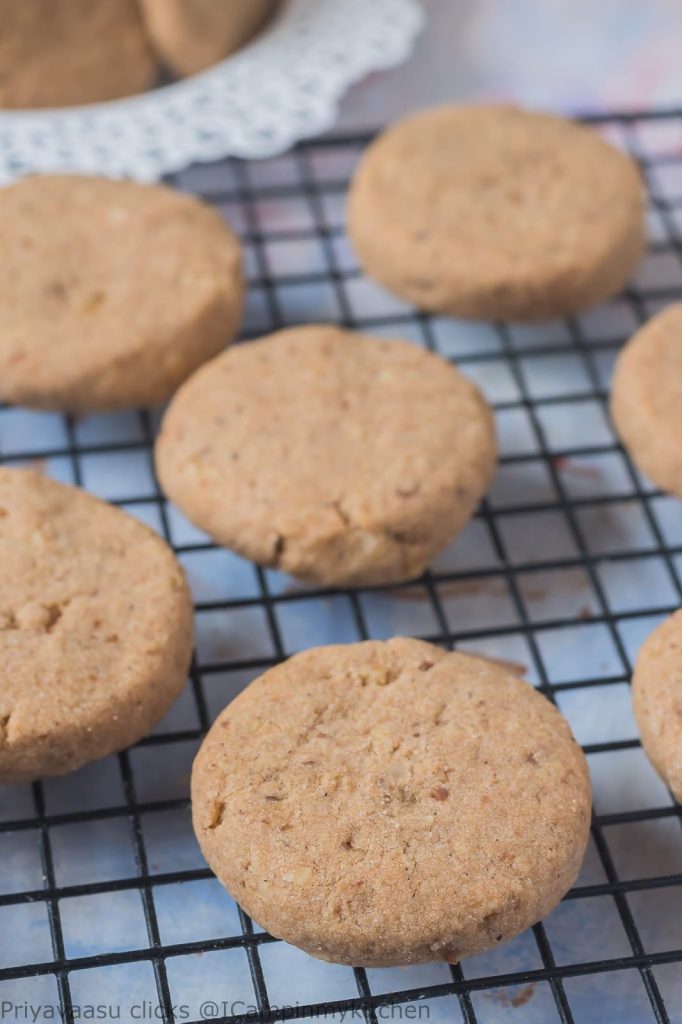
[{"x": 105, "y": 901}]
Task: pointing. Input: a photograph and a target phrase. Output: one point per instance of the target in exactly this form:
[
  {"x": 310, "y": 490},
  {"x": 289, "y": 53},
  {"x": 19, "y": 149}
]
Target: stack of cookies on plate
[
  {"x": 58, "y": 53},
  {"x": 375, "y": 803}
]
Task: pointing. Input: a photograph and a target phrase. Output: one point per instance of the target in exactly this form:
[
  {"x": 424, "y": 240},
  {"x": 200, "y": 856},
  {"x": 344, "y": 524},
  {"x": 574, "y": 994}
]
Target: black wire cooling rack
[{"x": 104, "y": 900}]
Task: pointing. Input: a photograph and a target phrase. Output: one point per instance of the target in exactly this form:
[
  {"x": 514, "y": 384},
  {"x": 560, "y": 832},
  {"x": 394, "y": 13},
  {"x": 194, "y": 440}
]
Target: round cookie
[
  {"x": 111, "y": 292},
  {"x": 496, "y": 213},
  {"x": 336, "y": 457},
  {"x": 389, "y": 803},
  {"x": 95, "y": 628},
  {"x": 646, "y": 398},
  {"x": 657, "y": 700},
  {"x": 56, "y": 53},
  {"x": 192, "y": 35}
]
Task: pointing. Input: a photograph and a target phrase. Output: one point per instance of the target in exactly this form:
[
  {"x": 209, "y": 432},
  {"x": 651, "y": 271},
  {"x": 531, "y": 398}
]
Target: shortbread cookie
[
  {"x": 657, "y": 698},
  {"x": 56, "y": 53},
  {"x": 95, "y": 627},
  {"x": 111, "y": 293},
  {"x": 496, "y": 213},
  {"x": 646, "y": 398},
  {"x": 190, "y": 35},
  {"x": 390, "y": 803},
  {"x": 337, "y": 457}
]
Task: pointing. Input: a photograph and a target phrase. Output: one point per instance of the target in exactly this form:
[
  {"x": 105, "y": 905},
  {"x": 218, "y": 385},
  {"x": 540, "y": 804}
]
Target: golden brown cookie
[
  {"x": 111, "y": 293},
  {"x": 646, "y": 398},
  {"x": 190, "y": 35},
  {"x": 390, "y": 803},
  {"x": 334, "y": 456},
  {"x": 657, "y": 699},
  {"x": 56, "y": 53},
  {"x": 496, "y": 213},
  {"x": 95, "y": 627}
]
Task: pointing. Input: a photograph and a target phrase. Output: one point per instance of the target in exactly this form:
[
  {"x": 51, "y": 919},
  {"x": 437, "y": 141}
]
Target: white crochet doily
[{"x": 283, "y": 87}]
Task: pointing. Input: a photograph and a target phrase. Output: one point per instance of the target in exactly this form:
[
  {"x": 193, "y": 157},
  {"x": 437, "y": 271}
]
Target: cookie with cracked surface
[
  {"x": 646, "y": 397},
  {"x": 56, "y": 53},
  {"x": 334, "y": 456},
  {"x": 492, "y": 212},
  {"x": 111, "y": 292},
  {"x": 657, "y": 700},
  {"x": 95, "y": 627},
  {"x": 191, "y": 35},
  {"x": 390, "y": 803}
]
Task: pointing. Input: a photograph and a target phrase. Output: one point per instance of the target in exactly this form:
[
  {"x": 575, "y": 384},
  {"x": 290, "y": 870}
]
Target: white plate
[{"x": 283, "y": 87}]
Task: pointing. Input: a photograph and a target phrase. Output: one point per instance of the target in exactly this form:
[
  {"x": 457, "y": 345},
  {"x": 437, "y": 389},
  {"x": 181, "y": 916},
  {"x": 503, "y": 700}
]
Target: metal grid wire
[{"x": 570, "y": 562}]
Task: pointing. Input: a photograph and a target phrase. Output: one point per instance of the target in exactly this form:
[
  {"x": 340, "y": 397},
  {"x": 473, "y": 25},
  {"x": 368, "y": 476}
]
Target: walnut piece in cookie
[
  {"x": 95, "y": 628},
  {"x": 337, "y": 457},
  {"x": 389, "y": 803}
]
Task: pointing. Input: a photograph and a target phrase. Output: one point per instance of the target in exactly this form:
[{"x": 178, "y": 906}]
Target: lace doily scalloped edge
[{"x": 284, "y": 87}]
